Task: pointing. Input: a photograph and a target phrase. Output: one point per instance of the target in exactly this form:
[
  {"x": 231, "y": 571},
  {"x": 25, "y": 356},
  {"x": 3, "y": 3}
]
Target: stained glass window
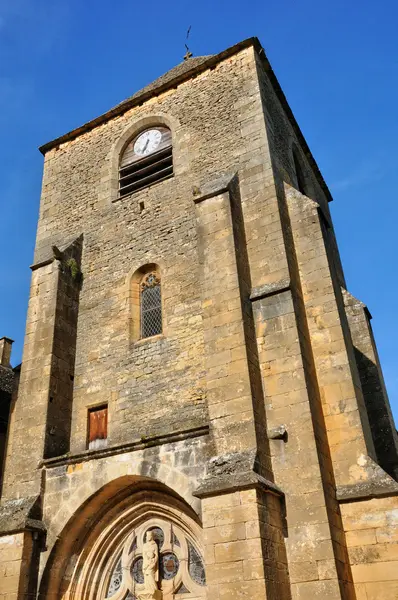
[
  {"x": 169, "y": 564},
  {"x": 158, "y": 536},
  {"x": 116, "y": 579},
  {"x": 151, "y": 306},
  {"x": 175, "y": 540},
  {"x": 136, "y": 570},
  {"x": 180, "y": 567},
  {"x": 195, "y": 565}
]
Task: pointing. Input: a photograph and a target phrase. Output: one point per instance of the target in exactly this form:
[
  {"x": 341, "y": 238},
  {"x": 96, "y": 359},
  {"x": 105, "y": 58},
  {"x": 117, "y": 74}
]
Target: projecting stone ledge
[
  {"x": 379, "y": 484},
  {"x": 218, "y": 185},
  {"x": 20, "y": 514},
  {"x": 233, "y": 472}
]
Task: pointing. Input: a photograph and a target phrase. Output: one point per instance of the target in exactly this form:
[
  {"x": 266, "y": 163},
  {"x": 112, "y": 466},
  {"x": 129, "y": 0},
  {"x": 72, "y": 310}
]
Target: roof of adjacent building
[
  {"x": 182, "y": 72},
  {"x": 6, "y": 379}
]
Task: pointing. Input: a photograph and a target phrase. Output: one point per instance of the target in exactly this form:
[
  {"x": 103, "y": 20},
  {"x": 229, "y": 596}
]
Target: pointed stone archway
[{"x": 99, "y": 554}]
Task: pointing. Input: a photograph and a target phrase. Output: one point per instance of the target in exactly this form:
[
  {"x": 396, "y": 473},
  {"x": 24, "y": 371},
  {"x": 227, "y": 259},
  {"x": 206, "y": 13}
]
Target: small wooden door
[{"x": 97, "y": 427}]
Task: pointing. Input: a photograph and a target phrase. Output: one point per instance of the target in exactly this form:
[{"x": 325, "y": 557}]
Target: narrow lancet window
[{"x": 151, "y": 306}]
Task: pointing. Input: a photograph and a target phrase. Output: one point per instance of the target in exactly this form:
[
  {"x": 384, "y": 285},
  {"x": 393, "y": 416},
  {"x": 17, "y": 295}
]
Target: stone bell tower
[{"x": 201, "y": 410}]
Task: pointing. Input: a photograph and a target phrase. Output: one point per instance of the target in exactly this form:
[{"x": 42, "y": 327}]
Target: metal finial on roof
[{"x": 188, "y": 53}]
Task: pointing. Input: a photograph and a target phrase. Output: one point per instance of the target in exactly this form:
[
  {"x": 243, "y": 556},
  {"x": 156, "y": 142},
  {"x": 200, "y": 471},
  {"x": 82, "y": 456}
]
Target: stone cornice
[
  {"x": 142, "y": 444},
  {"x": 270, "y": 289},
  {"x": 233, "y": 472},
  {"x": 366, "y": 490},
  {"x": 145, "y": 94},
  {"x": 242, "y": 481}
]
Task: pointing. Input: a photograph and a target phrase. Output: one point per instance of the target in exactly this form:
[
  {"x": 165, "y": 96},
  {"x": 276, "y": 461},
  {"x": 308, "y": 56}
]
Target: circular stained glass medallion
[{"x": 169, "y": 564}]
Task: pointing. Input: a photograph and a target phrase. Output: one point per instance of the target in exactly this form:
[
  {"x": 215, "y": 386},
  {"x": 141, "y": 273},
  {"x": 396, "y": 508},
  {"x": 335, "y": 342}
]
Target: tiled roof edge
[
  {"x": 139, "y": 98},
  {"x": 213, "y": 60},
  {"x": 289, "y": 113}
]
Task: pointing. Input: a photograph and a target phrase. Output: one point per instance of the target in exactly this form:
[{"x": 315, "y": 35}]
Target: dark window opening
[
  {"x": 151, "y": 306},
  {"x": 97, "y": 427},
  {"x": 301, "y": 183}
]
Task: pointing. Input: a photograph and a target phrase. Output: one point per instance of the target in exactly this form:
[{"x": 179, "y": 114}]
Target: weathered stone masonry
[{"x": 257, "y": 422}]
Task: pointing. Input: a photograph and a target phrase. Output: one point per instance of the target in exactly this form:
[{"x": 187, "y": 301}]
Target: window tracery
[{"x": 179, "y": 569}]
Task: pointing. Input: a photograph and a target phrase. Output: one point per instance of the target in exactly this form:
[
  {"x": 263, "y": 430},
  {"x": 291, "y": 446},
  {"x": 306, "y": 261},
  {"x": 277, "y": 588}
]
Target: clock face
[{"x": 147, "y": 142}]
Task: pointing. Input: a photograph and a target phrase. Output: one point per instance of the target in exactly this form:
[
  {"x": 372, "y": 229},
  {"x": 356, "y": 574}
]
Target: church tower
[{"x": 201, "y": 412}]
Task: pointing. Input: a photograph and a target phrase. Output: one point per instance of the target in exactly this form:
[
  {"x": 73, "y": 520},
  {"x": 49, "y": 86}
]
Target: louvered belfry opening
[{"x": 138, "y": 171}]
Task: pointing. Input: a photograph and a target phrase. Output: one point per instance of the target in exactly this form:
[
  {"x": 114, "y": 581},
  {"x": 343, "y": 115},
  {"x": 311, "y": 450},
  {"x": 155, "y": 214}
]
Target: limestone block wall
[
  {"x": 59, "y": 408},
  {"x": 119, "y": 237},
  {"x": 321, "y": 371},
  {"x": 16, "y": 557},
  {"x": 255, "y": 340},
  {"x": 372, "y": 538},
  {"x": 382, "y": 424},
  {"x": 27, "y": 430},
  {"x": 322, "y": 278},
  {"x": 141, "y": 381},
  {"x": 239, "y": 530},
  {"x": 70, "y": 484}
]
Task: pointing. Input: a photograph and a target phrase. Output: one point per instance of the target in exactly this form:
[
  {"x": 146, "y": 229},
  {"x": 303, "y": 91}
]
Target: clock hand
[{"x": 146, "y": 145}]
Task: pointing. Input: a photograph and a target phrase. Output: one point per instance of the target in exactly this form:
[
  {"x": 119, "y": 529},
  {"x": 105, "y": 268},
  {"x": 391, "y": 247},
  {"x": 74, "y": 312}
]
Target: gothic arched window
[
  {"x": 147, "y": 159},
  {"x": 146, "y": 319},
  {"x": 151, "y": 305},
  {"x": 148, "y": 546},
  {"x": 157, "y": 558}
]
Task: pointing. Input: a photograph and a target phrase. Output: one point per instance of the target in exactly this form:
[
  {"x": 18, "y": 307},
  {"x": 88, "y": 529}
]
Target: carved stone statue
[{"x": 150, "y": 568}]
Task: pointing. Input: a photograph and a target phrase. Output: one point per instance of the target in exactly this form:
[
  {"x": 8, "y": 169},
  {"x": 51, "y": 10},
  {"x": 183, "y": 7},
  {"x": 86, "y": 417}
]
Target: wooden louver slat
[
  {"x": 133, "y": 171},
  {"x": 152, "y": 169},
  {"x": 142, "y": 186}
]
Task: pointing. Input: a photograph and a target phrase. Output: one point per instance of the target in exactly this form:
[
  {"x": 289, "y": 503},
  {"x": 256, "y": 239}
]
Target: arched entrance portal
[{"x": 143, "y": 545}]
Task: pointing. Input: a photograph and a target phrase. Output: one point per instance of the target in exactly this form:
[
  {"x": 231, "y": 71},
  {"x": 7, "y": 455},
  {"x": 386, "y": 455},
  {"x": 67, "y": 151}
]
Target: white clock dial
[{"x": 147, "y": 142}]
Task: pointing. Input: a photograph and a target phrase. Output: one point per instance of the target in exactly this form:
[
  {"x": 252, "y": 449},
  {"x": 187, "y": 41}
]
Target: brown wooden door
[{"x": 98, "y": 424}]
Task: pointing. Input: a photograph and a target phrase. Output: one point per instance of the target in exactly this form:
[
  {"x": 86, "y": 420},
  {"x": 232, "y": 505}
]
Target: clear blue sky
[{"x": 65, "y": 62}]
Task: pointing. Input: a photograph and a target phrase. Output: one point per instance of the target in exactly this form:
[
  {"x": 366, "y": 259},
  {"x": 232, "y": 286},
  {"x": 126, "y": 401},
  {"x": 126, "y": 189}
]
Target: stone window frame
[
  {"x": 110, "y": 171},
  {"x": 157, "y": 168},
  {"x": 135, "y": 284},
  {"x": 175, "y": 541},
  {"x": 112, "y": 536}
]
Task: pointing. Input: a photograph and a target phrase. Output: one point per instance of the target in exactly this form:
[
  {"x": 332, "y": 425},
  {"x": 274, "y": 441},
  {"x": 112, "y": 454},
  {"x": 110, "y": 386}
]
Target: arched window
[
  {"x": 174, "y": 565},
  {"x": 147, "y": 159},
  {"x": 151, "y": 305},
  {"x": 140, "y": 544}
]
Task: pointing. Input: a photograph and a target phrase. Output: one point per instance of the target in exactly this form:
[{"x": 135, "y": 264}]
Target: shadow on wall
[{"x": 379, "y": 413}]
